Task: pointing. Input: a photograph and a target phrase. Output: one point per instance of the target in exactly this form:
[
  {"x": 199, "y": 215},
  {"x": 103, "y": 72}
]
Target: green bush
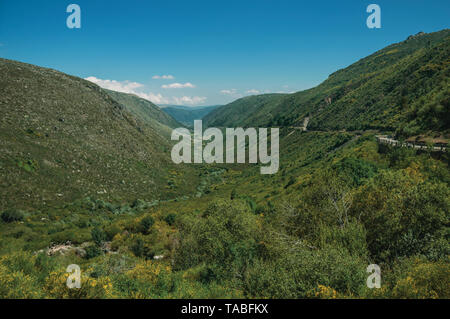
[
  {"x": 170, "y": 219},
  {"x": 111, "y": 231},
  {"x": 424, "y": 280},
  {"x": 297, "y": 274},
  {"x": 403, "y": 215},
  {"x": 225, "y": 237},
  {"x": 98, "y": 236},
  {"x": 146, "y": 224},
  {"x": 92, "y": 251},
  {"x": 10, "y": 216},
  {"x": 138, "y": 248}
]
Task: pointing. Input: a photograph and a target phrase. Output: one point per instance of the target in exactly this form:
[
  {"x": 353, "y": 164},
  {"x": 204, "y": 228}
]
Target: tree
[
  {"x": 98, "y": 236},
  {"x": 146, "y": 224}
]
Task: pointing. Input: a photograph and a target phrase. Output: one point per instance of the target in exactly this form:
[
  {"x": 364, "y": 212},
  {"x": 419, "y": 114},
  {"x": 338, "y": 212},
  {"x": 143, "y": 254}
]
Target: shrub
[
  {"x": 424, "y": 280},
  {"x": 17, "y": 285},
  {"x": 20, "y": 274},
  {"x": 351, "y": 237},
  {"x": 98, "y": 235},
  {"x": 92, "y": 251},
  {"x": 403, "y": 215},
  {"x": 297, "y": 275},
  {"x": 91, "y": 288},
  {"x": 138, "y": 247},
  {"x": 170, "y": 219},
  {"x": 146, "y": 223},
  {"x": 148, "y": 279},
  {"x": 227, "y": 236},
  {"x": 356, "y": 169},
  {"x": 111, "y": 231},
  {"x": 10, "y": 216}
]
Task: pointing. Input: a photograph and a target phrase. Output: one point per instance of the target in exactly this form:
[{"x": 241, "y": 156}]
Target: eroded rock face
[
  {"x": 68, "y": 248},
  {"x": 64, "y": 249}
]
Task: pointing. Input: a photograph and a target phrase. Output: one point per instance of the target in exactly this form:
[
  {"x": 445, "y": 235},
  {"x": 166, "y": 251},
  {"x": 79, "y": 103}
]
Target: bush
[
  {"x": 10, "y": 216},
  {"x": 146, "y": 223},
  {"x": 226, "y": 236},
  {"x": 148, "y": 279},
  {"x": 138, "y": 248},
  {"x": 424, "y": 280},
  {"x": 21, "y": 275},
  {"x": 299, "y": 274},
  {"x": 111, "y": 231},
  {"x": 91, "y": 288},
  {"x": 403, "y": 215},
  {"x": 92, "y": 251},
  {"x": 356, "y": 169},
  {"x": 170, "y": 219},
  {"x": 352, "y": 237},
  {"x": 98, "y": 236}
]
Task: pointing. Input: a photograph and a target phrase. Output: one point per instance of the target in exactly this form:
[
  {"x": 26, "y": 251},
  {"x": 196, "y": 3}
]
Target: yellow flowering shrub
[
  {"x": 91, "y": 288},
  {"x": 323, "y": 292},
  {"x": 149, "y": 271},
  {"x": 17, "y": 276},
  {"x": 426, "y": 280},
  {"x": 16, "y": 284},
  {"x": 148, "y": 279}
]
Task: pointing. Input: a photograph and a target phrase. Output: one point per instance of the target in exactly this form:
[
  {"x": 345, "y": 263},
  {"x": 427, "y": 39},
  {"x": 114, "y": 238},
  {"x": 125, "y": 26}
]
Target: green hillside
[
  {"x": 340, "y": 201},
  {"x": 63, "y": 138},
  {"x": 145, "y": 111},
  {"x": 187, "y": 114},
  {"x": 403, "y": 87},
  {"x": 243, "y": 111}
]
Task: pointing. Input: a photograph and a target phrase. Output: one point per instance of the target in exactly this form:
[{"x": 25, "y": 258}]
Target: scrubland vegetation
[
  {"x": 310, "y": 236},
  {"x": 141, "y": 227}
]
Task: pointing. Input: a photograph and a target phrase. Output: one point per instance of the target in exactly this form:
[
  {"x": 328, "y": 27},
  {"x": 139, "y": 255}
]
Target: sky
[{"x": 207, "y": 52}]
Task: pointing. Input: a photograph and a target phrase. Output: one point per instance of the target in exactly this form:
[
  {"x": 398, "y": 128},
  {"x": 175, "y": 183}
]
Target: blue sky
[{"x": 215, "y": 51}]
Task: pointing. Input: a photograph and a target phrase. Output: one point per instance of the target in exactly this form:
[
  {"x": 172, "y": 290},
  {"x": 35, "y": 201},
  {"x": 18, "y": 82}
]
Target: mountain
[
  {"x": 187, "y": 114},
  {"x": 339, "y": 201},
  {"x": 146, "y": 111},
  {"x": 403, "y": 87},
  {"x": 64, "y": 138}
]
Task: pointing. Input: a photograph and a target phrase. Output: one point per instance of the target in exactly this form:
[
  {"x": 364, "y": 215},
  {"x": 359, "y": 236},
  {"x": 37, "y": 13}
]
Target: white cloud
[
  {"x": 124, "y": 86},
  {"x": 156, "y": 98},
  {"x": 178, "y": 86},
  {"x": 229, "y": 92},
  {"x": 252, "y": 91},
  {"x": 137, "y": 89},
  {"x": 188, "y": 100},
  {"x": 163, "y": 77},
  {"x": 233, "y": 93}
]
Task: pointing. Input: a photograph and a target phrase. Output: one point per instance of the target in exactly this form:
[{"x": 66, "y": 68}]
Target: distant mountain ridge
[{"x": 187, "y": 114}]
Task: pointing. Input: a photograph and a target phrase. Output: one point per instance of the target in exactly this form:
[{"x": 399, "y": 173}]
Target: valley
[{"x": 88, "y": 168}]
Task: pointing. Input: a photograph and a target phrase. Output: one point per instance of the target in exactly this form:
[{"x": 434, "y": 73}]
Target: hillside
[
  {"x": 146, "y": 111},
  {"x": 187, "y": 114},
  {"x": 403, "y": 87},
  {"x": 243, "y": 111},
  {"x": 339, "y": 202},
  {"x": 64, "y": 138}
]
